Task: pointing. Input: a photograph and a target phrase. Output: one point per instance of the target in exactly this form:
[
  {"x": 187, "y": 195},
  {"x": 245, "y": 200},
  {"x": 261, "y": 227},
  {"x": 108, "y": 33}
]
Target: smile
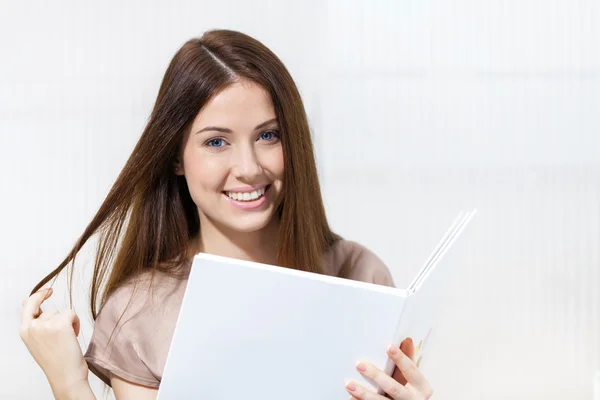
[{"x": 247, "y": 196}]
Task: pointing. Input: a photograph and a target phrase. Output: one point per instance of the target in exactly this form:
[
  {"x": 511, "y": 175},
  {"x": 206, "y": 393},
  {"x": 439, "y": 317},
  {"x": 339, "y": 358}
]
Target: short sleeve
[{"x": 114, "y": 347}]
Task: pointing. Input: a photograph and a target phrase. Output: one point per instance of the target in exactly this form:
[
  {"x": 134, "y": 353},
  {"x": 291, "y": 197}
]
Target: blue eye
[
  {"x": 215, "y": 142},
  {"x": 269, "y": 135}
]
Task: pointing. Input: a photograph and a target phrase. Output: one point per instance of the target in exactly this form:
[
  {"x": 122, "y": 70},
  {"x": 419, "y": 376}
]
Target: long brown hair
[{"x": 148, "y": 217}]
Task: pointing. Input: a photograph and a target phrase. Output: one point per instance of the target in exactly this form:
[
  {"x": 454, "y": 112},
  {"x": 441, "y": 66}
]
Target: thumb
[{"x": 408, "y": 347}]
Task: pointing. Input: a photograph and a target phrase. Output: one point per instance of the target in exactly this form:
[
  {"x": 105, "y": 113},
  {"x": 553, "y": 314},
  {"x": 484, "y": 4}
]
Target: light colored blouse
[{"x": 134, "y": 345}]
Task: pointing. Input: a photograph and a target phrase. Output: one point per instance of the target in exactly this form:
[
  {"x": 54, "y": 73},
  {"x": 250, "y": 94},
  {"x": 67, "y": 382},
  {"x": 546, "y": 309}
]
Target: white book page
[
  {"x": 279, "y": 333},
  {"x": 426, "y": 305}
]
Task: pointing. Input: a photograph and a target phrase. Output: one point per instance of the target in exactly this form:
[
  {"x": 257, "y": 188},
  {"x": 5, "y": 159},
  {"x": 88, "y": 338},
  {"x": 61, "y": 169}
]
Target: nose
[{"x": 246, "y": 166}]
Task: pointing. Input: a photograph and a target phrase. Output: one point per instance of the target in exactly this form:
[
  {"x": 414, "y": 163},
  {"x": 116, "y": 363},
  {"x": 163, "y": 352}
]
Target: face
[{"x": 232, "y": 159}]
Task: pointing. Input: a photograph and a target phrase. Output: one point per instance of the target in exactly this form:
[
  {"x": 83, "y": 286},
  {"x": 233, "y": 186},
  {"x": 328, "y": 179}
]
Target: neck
[{"x": 258, "y": 246}]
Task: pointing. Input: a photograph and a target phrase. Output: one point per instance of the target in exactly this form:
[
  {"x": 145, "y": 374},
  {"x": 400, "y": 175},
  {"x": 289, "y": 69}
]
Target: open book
[{"x": 249, "y": 330}]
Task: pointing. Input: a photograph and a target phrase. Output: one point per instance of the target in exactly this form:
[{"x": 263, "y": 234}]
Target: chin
[{"x": 250, "y": 225}]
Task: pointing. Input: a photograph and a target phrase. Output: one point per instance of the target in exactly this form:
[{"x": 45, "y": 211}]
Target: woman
[{"x": 224, "y": 166}]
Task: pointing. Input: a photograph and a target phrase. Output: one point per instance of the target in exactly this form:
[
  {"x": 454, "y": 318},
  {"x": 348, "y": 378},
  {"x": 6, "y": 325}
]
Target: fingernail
[
  {"x": 351, "y": 386},
  {"x": 361, "y": 366},
  {"x": 393, "y": 350}
]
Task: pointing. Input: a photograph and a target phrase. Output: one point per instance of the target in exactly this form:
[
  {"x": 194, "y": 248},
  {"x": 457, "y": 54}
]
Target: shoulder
[
  {"x": 125, "y": 305},
  {"x": 116, "y": 302},
  {"x": 131, "y": 327},
  {"x": 352, "y": 260},
  {"x": 140, "y": 297}
]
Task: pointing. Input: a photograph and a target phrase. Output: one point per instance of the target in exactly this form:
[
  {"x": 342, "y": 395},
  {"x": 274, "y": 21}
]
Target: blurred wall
[{"x": 419, "y": 109}]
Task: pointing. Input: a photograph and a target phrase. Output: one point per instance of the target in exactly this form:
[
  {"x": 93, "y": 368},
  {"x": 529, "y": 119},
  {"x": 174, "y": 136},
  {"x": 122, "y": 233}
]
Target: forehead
[{"x": 240, "y": 106}]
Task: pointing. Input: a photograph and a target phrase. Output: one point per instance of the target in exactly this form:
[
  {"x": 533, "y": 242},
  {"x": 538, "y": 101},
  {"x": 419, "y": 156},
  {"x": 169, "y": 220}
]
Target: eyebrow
[{"x": 227, "y": 130}]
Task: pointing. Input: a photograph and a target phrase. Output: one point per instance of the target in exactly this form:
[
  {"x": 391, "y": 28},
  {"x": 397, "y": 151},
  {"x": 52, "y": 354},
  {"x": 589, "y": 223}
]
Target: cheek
[
  {"x": 275, "y": 163},
  {"x": 203, "y": 173}
]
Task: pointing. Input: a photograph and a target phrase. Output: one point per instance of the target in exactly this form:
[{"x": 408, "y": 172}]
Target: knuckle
[
  {"x": 428, "y": 393},
  {"x": 400, "y": 357},
  {"x": 411, "y": 368},
  {"x": 44, "y": 326},
  {"x": 54, "y": 324},
  {"x": 394, "y": 391}
]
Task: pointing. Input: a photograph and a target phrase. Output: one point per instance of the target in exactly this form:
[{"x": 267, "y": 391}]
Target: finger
[
  {"x": 361, "y": 393},
  {"x": 31, "y": 306},
  {"x": 46, "y": 315},
  {"x": 71, "y": 318},
  {"x": 382, "y": 380},
  {"x": 408, "y": 347},
  {"x": 397, "y": 375},
  {"x": 76, "y": 324},
  {"x": 409, "y": 369}
]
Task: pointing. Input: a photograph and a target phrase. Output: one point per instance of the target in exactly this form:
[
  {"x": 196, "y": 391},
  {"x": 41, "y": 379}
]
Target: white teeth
[{"x": 247, "y": 196}]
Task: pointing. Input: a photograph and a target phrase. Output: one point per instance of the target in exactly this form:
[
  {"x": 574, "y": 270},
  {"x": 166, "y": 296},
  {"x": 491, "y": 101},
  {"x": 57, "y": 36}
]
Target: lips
[
  {"x": 250, "y": 198},
  {"x": 246, "y": 195}
]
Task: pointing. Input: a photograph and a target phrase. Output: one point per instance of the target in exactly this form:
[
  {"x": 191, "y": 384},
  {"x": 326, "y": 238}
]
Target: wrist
[{"x": 79, "y": 390}]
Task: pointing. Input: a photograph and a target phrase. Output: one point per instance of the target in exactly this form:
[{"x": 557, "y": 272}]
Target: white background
[{"x": 419, "y": 108}]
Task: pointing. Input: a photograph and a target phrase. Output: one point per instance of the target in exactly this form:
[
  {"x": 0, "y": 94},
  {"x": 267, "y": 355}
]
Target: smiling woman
[
  {"x": 224, "y": 166},
  {"x": 234, "y": 165}
]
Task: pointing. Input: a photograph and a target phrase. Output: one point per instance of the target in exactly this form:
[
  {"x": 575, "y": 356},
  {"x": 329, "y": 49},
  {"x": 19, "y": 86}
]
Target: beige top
[{"x": 138, "y": 348}]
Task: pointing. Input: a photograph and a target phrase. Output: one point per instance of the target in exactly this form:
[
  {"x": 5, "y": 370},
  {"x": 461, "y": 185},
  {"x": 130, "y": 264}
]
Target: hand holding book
[{"x": 406, "y": 382}]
